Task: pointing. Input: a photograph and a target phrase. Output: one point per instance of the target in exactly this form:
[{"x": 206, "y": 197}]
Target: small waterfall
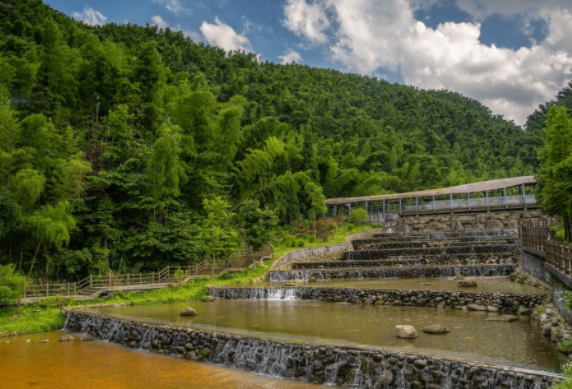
[
  {"x": 349, "y": 367},
  {"x": 333, "y": 370}
]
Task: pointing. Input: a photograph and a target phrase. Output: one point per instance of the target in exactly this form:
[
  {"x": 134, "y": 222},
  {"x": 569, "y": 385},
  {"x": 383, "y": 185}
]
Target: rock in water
[
  {"x": 312, "y": 279},
  {"x": 86, "y": 338},
  {"x": 475, "y": 307},
  {"x": 459, "y": 276},
  {"x": 436, "y": 329},
  {"x": 406, "y": 332},
  {"x": 298, "y": 281},
  {"x": 506, "y": 318},
  {"x": 66, "y": 338},
  {"x": 522, "y": 310},
  {"x": 467, "y": 283},
  {"x": 44, "y": 341},
  {"x": 490, "y": 308},
  {"x": 188, "y": 311},
  {"x": 208, "y": 299}
]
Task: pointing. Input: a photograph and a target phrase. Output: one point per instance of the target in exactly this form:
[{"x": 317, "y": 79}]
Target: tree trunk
[{"x": 34, "y": 260}]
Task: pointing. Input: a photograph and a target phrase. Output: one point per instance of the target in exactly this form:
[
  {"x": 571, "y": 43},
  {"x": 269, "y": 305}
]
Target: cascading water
[{"x": 350, "y": 367}]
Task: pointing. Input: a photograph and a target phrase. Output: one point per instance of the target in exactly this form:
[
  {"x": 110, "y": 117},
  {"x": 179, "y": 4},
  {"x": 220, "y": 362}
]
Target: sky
[{"x": 511, "y": 55}]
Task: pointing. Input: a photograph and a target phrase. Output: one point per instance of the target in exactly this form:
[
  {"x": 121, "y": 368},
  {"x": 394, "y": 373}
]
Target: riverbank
[{"x": 46, "y": 315}]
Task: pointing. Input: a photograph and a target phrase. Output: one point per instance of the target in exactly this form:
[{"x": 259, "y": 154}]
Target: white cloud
[
  {"x": 158, "y": 21},
  {"x": 308, "y": 20},
  {"x": 290, "y": 56},
  {"x": 370, "y": 36},
  {"x": 222, "y": 35},
  {"x": 174, "y": 6},
  {"x": 90, "y": 17}
]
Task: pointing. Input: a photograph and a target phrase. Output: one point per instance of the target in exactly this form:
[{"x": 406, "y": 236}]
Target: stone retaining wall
[
  {"x": 462, "y": 221},
  {"x": 468, "y": 259},
  {"x": 321, "y": 252},
  {"x": 321, "y": 364},
  {"x": 533, "y": 265},
  {"x": 447, "y": 234},
  {"x": 425, "y": 298},
  {"x": 399, "y": 272},
  {"x": 380, "y": 254},
  {"x": 362, "y": 244}
]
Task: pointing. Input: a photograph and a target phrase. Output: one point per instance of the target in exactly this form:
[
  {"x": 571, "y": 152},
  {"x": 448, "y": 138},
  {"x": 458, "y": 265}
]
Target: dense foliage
[
  {"x": 555, "y": 175},
  {"x": 113, "y": 139}
]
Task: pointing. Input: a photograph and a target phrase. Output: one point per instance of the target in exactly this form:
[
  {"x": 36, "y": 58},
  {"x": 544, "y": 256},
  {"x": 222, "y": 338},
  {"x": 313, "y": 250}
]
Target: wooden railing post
[
  {"x": 140, "y": 279},
  {"x": 47, "y": 289},
  {"x": 127, "y": 278},
  {"x": 109, "y": 279},
  {"x": 91, "y": 280},
  {"x": 74, "y": 288}
]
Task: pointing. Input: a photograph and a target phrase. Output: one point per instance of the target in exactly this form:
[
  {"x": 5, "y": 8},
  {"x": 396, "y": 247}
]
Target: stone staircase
[{"x": 471, "y": 253}]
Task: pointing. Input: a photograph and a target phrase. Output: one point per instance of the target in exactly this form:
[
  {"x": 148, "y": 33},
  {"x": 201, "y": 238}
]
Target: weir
[{"x": 317, "y": 363}]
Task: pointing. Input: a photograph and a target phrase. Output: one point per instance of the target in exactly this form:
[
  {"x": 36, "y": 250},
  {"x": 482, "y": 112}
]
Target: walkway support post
[
  {"x": 469, "y": 199},
  {"x": 505, "y": 197},
  {"x": 383, "y": 206},
  {"x": 451, "y": 200},
  {"x": 400, "y": 210},
  {"x": 523, "y": 194},
  {"x": 434, "y": 204},
  {"x": 417, "y": 203}
]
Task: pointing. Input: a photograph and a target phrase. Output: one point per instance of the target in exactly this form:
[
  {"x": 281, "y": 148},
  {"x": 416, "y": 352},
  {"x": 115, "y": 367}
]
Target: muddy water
[
  {"x": 485, "y": 284},
  {"x": 471, "y": 337},
  {"x": 108, "y": 366}
]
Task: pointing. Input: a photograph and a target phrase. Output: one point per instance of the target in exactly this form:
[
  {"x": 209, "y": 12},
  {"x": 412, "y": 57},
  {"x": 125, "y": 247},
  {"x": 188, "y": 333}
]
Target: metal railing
[{"x": 117, "y": 280}]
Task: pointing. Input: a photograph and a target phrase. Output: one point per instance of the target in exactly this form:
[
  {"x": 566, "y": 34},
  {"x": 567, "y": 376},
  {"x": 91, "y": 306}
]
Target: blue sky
[{"x": 509, "y": 54}]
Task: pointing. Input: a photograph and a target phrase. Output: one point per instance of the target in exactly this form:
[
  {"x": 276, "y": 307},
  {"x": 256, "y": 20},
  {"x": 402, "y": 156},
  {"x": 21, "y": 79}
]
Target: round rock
[
  {"x": 188, "y": 311},
  {"x": 406, "y": 332},
  {"x": 436, "y": 329}
]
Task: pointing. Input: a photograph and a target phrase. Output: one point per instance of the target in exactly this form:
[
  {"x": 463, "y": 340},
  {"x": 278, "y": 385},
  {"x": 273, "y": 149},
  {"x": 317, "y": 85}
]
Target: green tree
[
  {"x": 219, "y": 236},
  {"x": 12, "y": 284},
  {"x": 259, "y": 225},
  {"x": 554, "y": 192}
]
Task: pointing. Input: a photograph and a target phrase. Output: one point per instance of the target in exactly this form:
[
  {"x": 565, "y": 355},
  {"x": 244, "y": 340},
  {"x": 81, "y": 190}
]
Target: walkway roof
[{"x": 466, "y": 188}]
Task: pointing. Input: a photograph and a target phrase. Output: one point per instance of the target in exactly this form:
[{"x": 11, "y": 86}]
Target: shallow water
[
  {"x": 485, "y": 284},
  {"x": 472, "y": 337},
  {"x": 104, "y": 365}
]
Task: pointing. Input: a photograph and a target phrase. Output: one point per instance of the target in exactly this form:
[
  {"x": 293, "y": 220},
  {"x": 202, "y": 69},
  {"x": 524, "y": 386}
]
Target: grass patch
[
  {"x": 342, "y": 232},
  {"x": 24, "y": 320}
]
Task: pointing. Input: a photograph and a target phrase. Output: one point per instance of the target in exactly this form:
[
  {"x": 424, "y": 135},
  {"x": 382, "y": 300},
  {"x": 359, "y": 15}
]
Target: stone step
[
  {"x": 426, "y": 238},
  {"x": 449, "y": 234},
  {"x": 422, "y": 260},
  {"x": 394, "y": 272},
  {"x": 365, "y": 245},
  {"x": 370, "y": 255}
]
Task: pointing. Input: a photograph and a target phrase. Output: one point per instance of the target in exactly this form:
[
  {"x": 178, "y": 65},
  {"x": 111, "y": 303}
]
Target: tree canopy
[{"x": 116, "y": 139}]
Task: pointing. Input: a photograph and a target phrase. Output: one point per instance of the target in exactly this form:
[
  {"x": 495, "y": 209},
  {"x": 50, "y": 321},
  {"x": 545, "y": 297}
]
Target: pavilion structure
[{"x": 515, "y": 193}]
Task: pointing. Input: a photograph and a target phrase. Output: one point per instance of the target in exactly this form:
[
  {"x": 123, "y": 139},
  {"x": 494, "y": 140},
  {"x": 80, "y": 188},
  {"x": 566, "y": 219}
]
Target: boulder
[
  {"x": 406, "y": 332},
  {"x": 28, "y": 340},
  {"x": 467, "y": 283},
  {"x": 459, "y": 276},
  {"x": 505, "y": 318},
  {"x": 208, "y": 299},
  {"x": 522, "y": 310},
  {"x": 386, "y": 377},
  {"x": 338, "y": 298},
  {"x": 441, "y": 305},
  {"x": 41, "y": 341},
  {"x": 86, "y": 338},
  {"x": 475, "y": 307},
  {"x": 66, "y": 338},
  {"x": 493, "y": 224},
  {"x": 312, "y": 279},
  {"x": 490, "y": 308},
  {"x": 379, "y": 302},
  {"x": 298, "y": 281},
  {"x": 188, "y": 311},
  {"x": 435, "y": 329}
]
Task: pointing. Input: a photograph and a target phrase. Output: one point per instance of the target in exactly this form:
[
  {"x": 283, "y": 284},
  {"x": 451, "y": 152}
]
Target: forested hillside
[{"x": 114, "y": 139}]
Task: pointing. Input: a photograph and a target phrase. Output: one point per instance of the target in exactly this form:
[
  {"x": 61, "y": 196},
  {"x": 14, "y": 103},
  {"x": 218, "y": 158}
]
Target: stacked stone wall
[{"x": 320, "y": 364}]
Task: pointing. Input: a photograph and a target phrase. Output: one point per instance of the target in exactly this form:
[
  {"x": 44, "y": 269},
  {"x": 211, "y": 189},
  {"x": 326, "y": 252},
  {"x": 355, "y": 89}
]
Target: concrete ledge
[{"x": 532, "y": 251}]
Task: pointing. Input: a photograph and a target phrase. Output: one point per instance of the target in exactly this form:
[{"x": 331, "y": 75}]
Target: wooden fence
[
  {"x": 557, "y": 253},
  {"x": 111, "y": 280}
]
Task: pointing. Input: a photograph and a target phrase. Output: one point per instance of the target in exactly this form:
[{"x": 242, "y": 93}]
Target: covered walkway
[{"x": 515, "y": 193}]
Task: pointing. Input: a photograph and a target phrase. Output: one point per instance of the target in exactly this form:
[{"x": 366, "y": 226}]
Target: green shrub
[
  {"x": 300, "y": 243},
  {"x": 12, "y": 284},
  {"x": 226, "y": 275},
  {"x": 567, "y": 382},
  {"x": 359, "y": 215},
  {"x": 565, "y": 346}
]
